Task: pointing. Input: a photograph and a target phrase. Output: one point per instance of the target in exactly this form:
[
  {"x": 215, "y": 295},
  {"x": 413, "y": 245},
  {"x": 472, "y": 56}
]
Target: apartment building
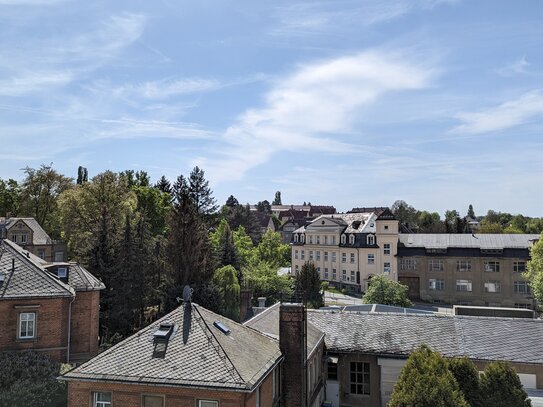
[
  {"x": 467, "y": 269},
  {"x": 348, "y": 249}
]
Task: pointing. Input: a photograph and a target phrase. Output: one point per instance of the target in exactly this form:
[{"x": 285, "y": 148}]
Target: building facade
[
  {"x": 349, "y": 249},
  {"x": 464, "y": 269}
]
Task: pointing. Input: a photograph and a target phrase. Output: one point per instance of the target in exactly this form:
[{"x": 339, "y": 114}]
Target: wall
[
  {"x": 347, "y": 399},
  {"x": 85, "y": 325}
]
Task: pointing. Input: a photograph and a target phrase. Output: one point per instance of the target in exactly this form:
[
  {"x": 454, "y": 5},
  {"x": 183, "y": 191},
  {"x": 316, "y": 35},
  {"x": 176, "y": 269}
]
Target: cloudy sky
[{"x": 341, "y": 102}]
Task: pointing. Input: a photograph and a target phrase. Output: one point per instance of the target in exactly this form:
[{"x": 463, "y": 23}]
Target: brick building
[{"x": 47, "y": 307}]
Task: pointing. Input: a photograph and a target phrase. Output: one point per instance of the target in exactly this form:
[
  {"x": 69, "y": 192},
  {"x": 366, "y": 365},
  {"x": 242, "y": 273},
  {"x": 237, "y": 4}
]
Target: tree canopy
[
  {"x": 535, "y": 270},
  {"x": 307, "y": 286},
  {"x": 383, "y": 290}
]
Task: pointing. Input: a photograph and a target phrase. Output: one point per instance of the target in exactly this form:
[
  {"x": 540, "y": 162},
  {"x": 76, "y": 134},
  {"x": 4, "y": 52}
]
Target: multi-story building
[
  {"x": 28, "y": 233},
  {"x": 466, "y": 269},
  {"x": 348, "y": 249}
]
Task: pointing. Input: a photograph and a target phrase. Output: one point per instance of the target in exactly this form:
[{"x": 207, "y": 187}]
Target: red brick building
[{"x": 47, "y": 307}]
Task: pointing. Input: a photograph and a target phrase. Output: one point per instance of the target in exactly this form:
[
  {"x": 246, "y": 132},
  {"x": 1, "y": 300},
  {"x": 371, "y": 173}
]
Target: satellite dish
[{"x": 187, "y": 293}]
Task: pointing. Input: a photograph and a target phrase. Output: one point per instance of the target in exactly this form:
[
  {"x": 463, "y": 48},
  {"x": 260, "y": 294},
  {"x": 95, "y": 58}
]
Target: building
[
  {"x": 47, "y": 307},
  {"x": 28, "y": 233},
  {"x": 466, "y": 269},
  {"x": 190, "y": 357},
  {"x": 348, "y": 249}
]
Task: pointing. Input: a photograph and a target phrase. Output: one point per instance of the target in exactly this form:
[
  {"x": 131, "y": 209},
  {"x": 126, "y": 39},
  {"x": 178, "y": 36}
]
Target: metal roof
[{"x": 477, "y": 241}]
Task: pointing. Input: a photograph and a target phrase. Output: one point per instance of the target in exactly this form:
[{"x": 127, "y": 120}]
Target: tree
[
  {"x": 487, "y": 227},
  {"x": 154, "y": 206},
  {"x": 82, "y": 175},
  {"x": 222, "y": 242},
  {"x": 244, "y": 245},
  {"x": 404, "y": 213},
  {"x": 163, "y": 185},
  {"x": 231, "y": 201},
  {"x": 430, "y": 222},
  {"x": 225, "y": 278},
  {"x": 10, "y": 192},
  {"x": 535, "y": 269},
  {"x": 272, "y": 250},
  {"x": 201, "y": 194},
  {"x": 307, "y": 286},
  {"x": 501, "y": 387},
  {"x": 471, "y": 212},
  {"x": 241, "y": 215},
  {"x": 425, "y": 381},
  {"x": 30, "y": 379},
  {"x": 383, "y": 290},
  {"x": 265, "y": 282},
  {"x": 467, "y": 377},
  {"x": 277, "y": 199},
  {"x": 264, "y": 207}
]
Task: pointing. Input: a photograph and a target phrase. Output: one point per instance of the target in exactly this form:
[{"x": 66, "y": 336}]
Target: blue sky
[{"x": 341, "y": 102}]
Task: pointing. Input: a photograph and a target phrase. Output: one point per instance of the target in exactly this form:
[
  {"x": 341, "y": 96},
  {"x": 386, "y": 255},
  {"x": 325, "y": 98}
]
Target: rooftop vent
[
  {"x": 164, "y": 331},
  {"x": 222, "y": 327}
]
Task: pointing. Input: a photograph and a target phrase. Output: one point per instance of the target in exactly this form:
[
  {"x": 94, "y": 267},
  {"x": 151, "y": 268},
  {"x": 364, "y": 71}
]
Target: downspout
[{"x": 69, "y": 329}]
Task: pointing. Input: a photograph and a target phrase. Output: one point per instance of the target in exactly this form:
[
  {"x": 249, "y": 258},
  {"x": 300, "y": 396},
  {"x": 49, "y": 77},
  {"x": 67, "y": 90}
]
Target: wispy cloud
[
  {"x": 310, "y": 108},
  {"x": 31, "y": 2},
  {"x": 516, "y": 67},
  {"x": 524, "y": 109},
  {"x": 33, "y": 81}
]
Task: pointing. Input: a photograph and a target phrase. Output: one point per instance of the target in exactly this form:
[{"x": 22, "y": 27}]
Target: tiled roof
[
  {"x": 40, "y": 236},
  {"x": 197, "y": 354},
  {"x": 477, "y": 241},
  {"x": 267, "y": 322},
  {"x": 28, "y": 279},
  {"x": 482, "y": 338},
  {"x": 356, "y": 222},
  {"x": 80, "y": 278}
]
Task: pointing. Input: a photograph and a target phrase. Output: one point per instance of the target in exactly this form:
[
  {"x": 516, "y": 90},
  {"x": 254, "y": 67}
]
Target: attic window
[
  {"x": 163, "y": 333},
  {"x": 351, "y": 239},
  {"x": 222, "y": 327},
  {"x": 296, "y": 237},
  {"x": 356, "y": 224},
  {"x": 62, "y": 272},
  {"x": 371, "y": 240},
  {"x": 322, "y": 222},
  {"x": 343, "y": 239}
]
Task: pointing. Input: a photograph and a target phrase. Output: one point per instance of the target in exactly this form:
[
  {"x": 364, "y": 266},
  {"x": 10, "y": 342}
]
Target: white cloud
[
  {"x": 308, "y": 109},
  {"x": 509, "y": 114},
  {"x": 33, "y": 81},
  {"x": 516, "y": 67},
  {"x": 31, "y": 2}
]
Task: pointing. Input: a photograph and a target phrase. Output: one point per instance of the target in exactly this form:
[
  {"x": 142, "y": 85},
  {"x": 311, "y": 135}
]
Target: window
[
  {"x": 462, "y": 265},
  {"x": 386, "y": 268},
  {"x": 334, "y": 257},
  {"x": 62, "y": 272},
  {"x": 302, "y": 255},
  {"x": 463, "y": 285},
  {"x": 334, "y": 274},
  {"x": 344, "y": 275},
  {"x": 14, "y": 238},
  {"x": 310, "y": 239},
  {"x": 325, "y": 239},
  {"x": 371, "y": 258},
  {"x": 436, "y": 284},
  {"x": 325, "y": 256},
  {"x": 333, "y": 240},
  {"x": 41, "y": 254},
  {"x": 318, "y": 255},
  {"x": 24, "y": 238},
  {"x": 326, "y": 273},
  {"x": 343, "y": 239},
  {"x": 386, "y": 227},
  {"x": 318, "y": 239},
  {"x": 296, "y": 269},
  {"x": 351, "y": 239},
  {"x": 492, "y": 266},
  {"x": 296, "y": 238},
  {"x": 519, "y": 266},
  {"x": 435, "y": 265},
  {"x": 210, "y": 403},
  {"x": 101, "y": 399},
  {"x": 360, "y": 378},
  {"x": 352, "y": 257},
  {"x": 59, "y": 257},
  {"x": 371, "y": 240},
  {"x": 311, "y": 255},
  {"x": 344, "y": 257},
  {"x": 386, "y": 249},
  {"x": 521, "y": 287},
  {"x": 152, "y": 401},
  {"x": 296, "y": 254},
  {"x": 332, "y": 370},
  {"x": 408, "y": 264},
  {"x": 27, "y": 325},
  {"x": 276, "y": 383},
  {"x": 352, "y": 276},
  {"x": 302, "y": 238},
  {"x": 493, "y": 287}
]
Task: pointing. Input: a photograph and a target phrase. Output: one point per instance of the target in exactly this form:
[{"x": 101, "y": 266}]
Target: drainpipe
[{"x": 69, "y": 329}]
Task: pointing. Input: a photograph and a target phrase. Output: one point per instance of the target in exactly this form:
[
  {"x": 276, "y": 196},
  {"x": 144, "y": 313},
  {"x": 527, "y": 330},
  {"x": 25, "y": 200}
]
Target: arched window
[
  {"x": 295, "y": 237},
  {"x": 343, "y": 239},
  {"x": 302, "y": 237},
  {"x": 351, "y": 239},
  {"x": 371, "y": 240}
]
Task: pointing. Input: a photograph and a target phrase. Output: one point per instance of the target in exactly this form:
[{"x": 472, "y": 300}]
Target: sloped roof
[
  {"x": 356, "y": 222},
  {"x": 28, "y": 279},
  {"x": 267, "y": 322},
  {"x": 478, "y": 241},
  {"x": 40, "y": 236},
  {"x": 197, "y": 354},
  {"x": 482, "y": 338},
  {"x": 82, "y": 280}
]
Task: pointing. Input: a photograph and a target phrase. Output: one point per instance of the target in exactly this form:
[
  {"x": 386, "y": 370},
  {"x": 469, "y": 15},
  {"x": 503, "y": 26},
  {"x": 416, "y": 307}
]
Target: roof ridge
[{"x": 261, "y": 314}]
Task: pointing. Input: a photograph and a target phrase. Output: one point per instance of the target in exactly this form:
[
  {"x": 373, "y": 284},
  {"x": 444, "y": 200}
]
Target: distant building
[{"x": 28, "y": 233}]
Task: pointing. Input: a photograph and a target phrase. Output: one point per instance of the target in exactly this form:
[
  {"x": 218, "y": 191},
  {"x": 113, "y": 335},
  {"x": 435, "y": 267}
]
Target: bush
[
  {"x": 467, "y": 377},
  {"x": 501, "y": 387}
]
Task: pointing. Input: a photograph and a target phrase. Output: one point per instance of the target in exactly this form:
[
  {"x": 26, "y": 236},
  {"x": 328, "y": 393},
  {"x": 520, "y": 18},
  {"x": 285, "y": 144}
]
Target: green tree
[
  {"x": 232, "y": 201},
  {"x": 82, "y": 175},
  {"x": 277, "y": 199},
  {"x": 383, "y": 290},
  {"x": 488, "y": 227},
  {"x": 10, "y": 192},
  {"x": 30, "y": 379},
  {"x": 471, "y": 212},
  {"x": 224, "y": 248},
  {"x": 404, "y": 213},
  {"x": 225, "y": 278},
  {"x": 501, "y": 387},
  {"x": 241, "y": 215},
  {"x": 430, "y": 222},
  {"x": 272, "y": 250},
  {"x": 163, "y": 185},
  {"x": 264, "y": 207},
  {"x": 425, "y": 381},
  {"x": 244, "y": 245},
  {"x": 154, "y": 206},
  {"x": 467, "y": 377},
  {"x": 263, "y": 279},
  {"x": 307, "y": 286},
  {"x": 534, "y": 273},
  {"x": 201, "y": 194}
]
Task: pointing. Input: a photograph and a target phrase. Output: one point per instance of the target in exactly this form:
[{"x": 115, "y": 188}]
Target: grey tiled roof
[
  {"x": 267, "y": 322},
  {"x": 40, "y": 236},
  {"x": 197, "y": 354},
  {"x": 478, "y": 241},
  {"x": 28, "y": 278},
  {"x": 482, "y": 338},
  {"x": 82, "y": 280}
]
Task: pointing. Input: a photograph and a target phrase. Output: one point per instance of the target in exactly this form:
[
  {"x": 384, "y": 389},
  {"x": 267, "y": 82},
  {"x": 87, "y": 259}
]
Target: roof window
[
  {"x": 164, "y": 331},
  {"x": 222, "y": 327}
]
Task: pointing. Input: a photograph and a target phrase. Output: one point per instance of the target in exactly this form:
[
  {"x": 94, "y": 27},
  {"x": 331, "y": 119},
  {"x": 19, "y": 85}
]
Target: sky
[{"x": 335, "y": 102}]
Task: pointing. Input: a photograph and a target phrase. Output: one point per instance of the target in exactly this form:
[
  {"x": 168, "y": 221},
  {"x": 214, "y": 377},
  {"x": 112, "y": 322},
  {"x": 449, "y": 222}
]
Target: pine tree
[
  {"x": 164, "y": 185},
  {"x": 82, "y": 175},
  {"x": 232, "y": 201},
  {"x": 467, "y": 377},
  {"x": 201, "y": 193},
  {"x": 501, "y": 387},
  {"x": 307, "y": 286},
  {"x": 277, "y": 200},
  {"x": 471, "y": 212}
]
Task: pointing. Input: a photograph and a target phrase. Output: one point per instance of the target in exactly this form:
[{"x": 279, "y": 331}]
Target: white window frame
[
  {"x": 463, "y": 265},
  {"x": 386, "y": 249},
  {"x": 516, "y": 267},
  {"x": 296, "y": 237},
  {"x": 352, "y": 257},
  {"x": 436, "y": 284},
  {"x": 371, "y": 258},
  {"x": 208, "y": 403},
  {"x": 326, "y": 273},
  {"x": 344, "y": 275},
  {"x": 27, "y": 319},
  {"x": 334, "y": 274},
  {"x": 464, "y": 283},
  {"x": 65, "y": 272},
  {"x": 334, "y": 257},
  {"x": 436, "y": 265},
  {"x": 370, "y": 240},
  {"x": 302, "y": 255},
  {"x": 101, "y": 403},
  {"x": 344, "y": 257},
  {"x": 24, "y": 238},
  {"x": 351, "y": 239},
  {"x": 492, "y": 266},
  {"x": 521, "y": 287},
  {"x": 408, "y": 264},
  {"x": 343, "y": 239},
  {"x": 318, "y": 255},
  {"x": 325, "y": 256},
  {"x": 318, "y": 239},
  {"x": 386, "y": 267}
]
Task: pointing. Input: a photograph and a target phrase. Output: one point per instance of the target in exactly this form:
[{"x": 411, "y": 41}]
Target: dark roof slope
[
  {"x": 40, "y": 236},
  {"x": 28, "y": 279},
  {"x": 482, "y": 338},
  {"x": 197, "y": 354},
  {"x": 82, "y": 280}
]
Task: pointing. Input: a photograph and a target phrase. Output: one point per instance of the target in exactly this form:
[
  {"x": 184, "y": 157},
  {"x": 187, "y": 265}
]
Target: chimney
[
  {"x": 262, "y": 302},
  {"x": 246, "y": 296},
  {"x": 293, "y": 344}
]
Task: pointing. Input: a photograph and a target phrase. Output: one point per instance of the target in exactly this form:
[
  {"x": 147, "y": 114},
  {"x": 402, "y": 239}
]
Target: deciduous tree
[
  {"x": 534, "y": 273},
  {"x": 383, "y": 290},
  {"x": 225, "y": 278}
]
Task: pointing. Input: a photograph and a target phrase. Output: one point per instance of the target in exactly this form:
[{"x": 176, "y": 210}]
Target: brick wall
[
  {"x": 51, "y": 325},
  {"x": 129, "y": 395},
  {"x": 85, "y": 324}
]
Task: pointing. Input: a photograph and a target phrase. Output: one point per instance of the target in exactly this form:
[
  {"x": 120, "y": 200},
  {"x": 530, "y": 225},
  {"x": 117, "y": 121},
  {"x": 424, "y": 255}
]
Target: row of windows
[
  {"x": 370, "y": 239},
  {"x": 105, "y": 399},
  {"x": 326, "y": 275},
  {"x": 519, "y": 287},
  {"x": 371, "y": 257},
  {"x": 461, "y": 265},
  {"x": 22, "y": 239}
]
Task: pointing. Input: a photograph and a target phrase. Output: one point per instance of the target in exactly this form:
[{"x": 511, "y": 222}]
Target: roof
[
  {"x": 478, "y": 241},
  {"x": 28, "y": 279},
  {"x": 79, "y": 277},
  {"x": 377, "y": 308},
  {"x": 480, "y": 338},
  {"x": 267, "y": 322},
  {"x": 39, "y": 236},
  {"x": 197, "y": 354},
  {"x": 356, "y": 222}
]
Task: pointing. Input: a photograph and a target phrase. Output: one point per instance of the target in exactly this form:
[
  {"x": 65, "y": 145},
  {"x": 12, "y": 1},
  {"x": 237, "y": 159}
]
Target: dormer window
[
  {"x": 296, "y": 238},
  {"x": 62, "y": 272},
  {"x": 310, "y": 239},
  {"x": 351, "y": 239},
  {"x": 302, "y": 237},
  {"x": 343, "y": 239},
  {"x": 371, "y": 240}
]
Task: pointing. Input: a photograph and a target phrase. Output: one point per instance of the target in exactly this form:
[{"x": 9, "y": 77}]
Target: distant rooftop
[{"x": 479, "y": 241}]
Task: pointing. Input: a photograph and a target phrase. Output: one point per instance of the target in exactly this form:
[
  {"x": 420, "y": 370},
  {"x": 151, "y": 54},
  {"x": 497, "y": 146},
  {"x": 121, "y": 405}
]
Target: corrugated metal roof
[{"x": 477, "y": 241}]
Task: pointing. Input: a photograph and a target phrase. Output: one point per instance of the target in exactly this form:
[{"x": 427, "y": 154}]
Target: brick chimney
[
  {"x": 246, "y": 295},
  {"x": 293, "y": 344}
]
